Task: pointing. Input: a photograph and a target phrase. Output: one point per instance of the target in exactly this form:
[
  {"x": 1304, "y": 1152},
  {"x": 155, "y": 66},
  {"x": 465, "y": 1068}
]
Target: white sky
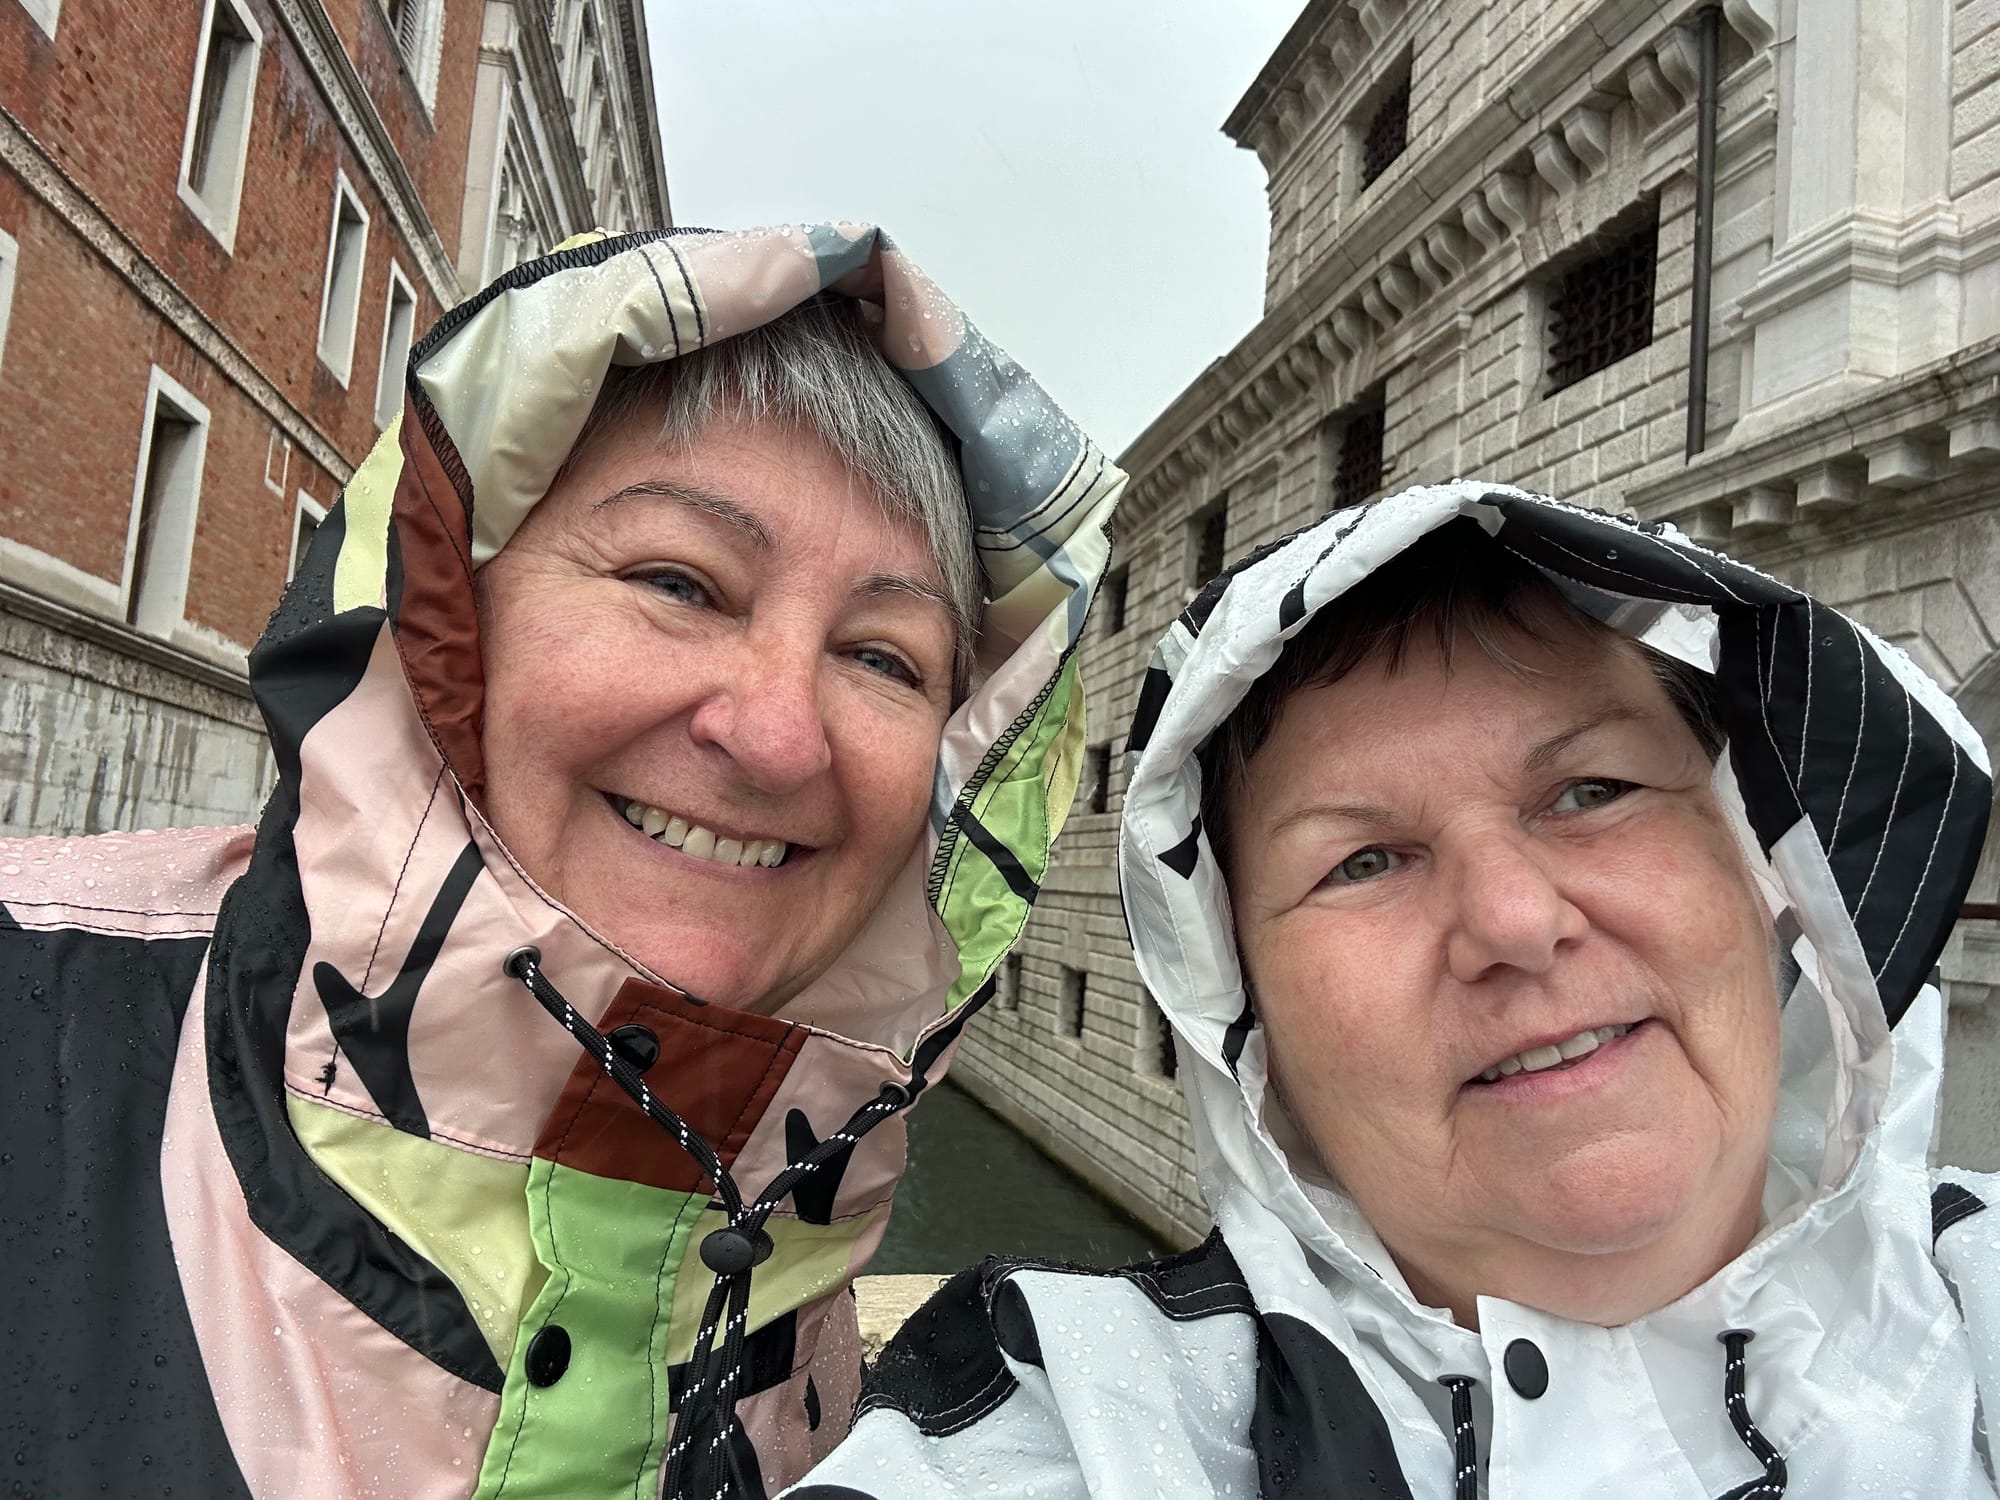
[{"x": 1057, "y": 166}]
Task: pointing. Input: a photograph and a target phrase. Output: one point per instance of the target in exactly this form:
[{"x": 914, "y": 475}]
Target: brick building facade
[
  {"x": 222, "y": 223},
  {"x": 1484, "y": 261}
]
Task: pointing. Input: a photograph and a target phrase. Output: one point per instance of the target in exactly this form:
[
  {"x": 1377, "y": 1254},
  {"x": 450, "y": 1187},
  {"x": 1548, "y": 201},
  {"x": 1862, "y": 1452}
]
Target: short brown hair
[{"x": 1455, "y": 580}]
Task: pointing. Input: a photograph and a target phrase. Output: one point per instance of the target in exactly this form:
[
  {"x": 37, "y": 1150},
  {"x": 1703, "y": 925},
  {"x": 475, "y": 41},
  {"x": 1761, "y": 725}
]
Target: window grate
[
  {"x": 1166, "y": 1061},
  {"x": 1211, "y": 532},
  {"x": 1387, "y": 132},
  {"x": 1117, "y": 592},
  {"x": 1100, "y": 778},
  {"x": 1069, "y": 1012},
  {"x": 1601, "y": 309},
  {"x": 1359, "y": 471}
]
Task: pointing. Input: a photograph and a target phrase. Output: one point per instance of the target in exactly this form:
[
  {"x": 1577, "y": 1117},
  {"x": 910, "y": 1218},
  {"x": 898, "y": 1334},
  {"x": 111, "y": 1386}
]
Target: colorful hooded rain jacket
[
  {"x": 1847, "y": 1352},
  {"x": 309, "y": 1195}
]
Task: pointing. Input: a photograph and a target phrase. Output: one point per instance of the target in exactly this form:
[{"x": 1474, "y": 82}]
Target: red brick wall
[{"x": 108, "y": 99}]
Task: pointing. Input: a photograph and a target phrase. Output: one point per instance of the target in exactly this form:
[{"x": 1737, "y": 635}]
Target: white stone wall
[
  {"x": 1853, "y": 417},
  {"x": 93, "y": 738}
]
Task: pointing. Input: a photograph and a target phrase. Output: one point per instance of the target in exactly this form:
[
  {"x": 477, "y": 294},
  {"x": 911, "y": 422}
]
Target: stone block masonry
[{"x": 1853, "y": 421}]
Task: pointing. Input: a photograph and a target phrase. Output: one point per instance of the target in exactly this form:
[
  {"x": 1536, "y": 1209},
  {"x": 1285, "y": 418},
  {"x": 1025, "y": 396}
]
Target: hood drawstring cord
[
  {"x": 1464, "y": 1441},
  {"x": 1775, "y": 1479},
  {"x": 708, "y": 1398}
]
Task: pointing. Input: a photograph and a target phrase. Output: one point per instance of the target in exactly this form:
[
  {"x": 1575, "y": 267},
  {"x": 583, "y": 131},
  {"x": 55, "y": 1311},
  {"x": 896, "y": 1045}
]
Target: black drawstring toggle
[{"x": 727, "y": 1251}]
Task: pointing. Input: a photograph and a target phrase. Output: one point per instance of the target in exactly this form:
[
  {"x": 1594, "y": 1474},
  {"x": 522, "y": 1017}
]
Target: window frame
[
  {"x": 304, "y": 505},
  {"x": 420, "y": 59},
  {"x": 1197, "y": 525},
  {"x": 132, "y": 606},
  {"x": 389, "y": 373},
  {"x": 342, "y": 367},
  {"x": 218, "y": 217},
  {"x": 45, "y": 14},
  {"x": 1638, "y": 223},
  {"x": 10, "y": 264}
]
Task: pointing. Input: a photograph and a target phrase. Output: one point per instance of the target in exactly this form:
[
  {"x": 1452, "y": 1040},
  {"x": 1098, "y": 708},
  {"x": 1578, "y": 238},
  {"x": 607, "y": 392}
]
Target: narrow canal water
[{"x": 975, "y": 1188}]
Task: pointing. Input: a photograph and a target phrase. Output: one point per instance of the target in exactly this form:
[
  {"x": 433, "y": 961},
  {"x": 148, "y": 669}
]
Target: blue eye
[
  {"x": 889, "y": 664},
  {"x": 1364, "y": 864},
  {"x": 677, "y": 585},
  {"x": 1595, "y": 791}
]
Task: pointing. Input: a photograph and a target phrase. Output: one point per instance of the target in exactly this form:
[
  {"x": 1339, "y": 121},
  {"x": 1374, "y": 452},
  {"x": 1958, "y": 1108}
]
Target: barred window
[
  {"x": 1166, "y": 1061},
  {"x": 1098, "y": 778},
  {"x": 1010, "y": 983},
  {"x": 1069, "y": 1009},
  {"x": 1117, "y": 591},
  {"x": 1387, "y": 131},
  {"x": 1209, "y": 532},
  {"x": 1601, "y": 308},
  {"x": 1357, "y": 473}
]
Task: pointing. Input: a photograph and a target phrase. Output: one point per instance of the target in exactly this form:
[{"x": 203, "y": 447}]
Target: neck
[{"x": 1605, "y": 1287}]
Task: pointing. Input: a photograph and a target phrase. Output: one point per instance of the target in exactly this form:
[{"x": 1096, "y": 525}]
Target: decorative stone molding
[
  {"x": 1756, "y": 21},
  {"x": 65, "y": 198},
  {"x": 340, "y": 84},
  {"x": 1555, "y": 165}
]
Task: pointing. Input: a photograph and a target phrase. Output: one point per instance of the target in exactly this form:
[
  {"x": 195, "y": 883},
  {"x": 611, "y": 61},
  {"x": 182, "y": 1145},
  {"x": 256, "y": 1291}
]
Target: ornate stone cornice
[
  {"x": 65, "y": 197},
  {"x": 334, "y": 72},
  {"x": 1428, "y": 225},
  {"x": 533, "y": 57},
  {"x": 638, "y": 62}
]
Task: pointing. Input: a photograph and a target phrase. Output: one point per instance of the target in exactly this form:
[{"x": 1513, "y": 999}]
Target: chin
[{"x": 1613, "y": 1200}]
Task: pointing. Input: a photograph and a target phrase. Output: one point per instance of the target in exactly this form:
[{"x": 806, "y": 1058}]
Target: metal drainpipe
[{"x": 1708, "y": 38}]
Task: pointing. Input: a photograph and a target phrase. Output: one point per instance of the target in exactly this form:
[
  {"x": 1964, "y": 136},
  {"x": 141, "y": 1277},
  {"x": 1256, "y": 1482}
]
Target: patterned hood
[
  {"x": 1859, "y": 794},
  {"x": 400, "y": 1113}
]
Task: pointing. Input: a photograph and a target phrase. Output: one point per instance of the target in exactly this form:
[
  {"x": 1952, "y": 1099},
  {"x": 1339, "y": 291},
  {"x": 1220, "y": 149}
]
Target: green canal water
[{"x": 975, "y": 1188}]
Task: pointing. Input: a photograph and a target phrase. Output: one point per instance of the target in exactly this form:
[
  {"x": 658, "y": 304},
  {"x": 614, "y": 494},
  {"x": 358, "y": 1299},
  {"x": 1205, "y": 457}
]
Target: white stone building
[
  {"x": 565, "y": 132},
  {"x": 1485, "y": 261}
]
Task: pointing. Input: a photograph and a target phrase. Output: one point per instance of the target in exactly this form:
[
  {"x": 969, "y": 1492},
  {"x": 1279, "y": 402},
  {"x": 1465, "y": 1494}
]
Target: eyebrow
[
  {"x": 1538, "y": 758},
  {"x": 695, "y": 497},
  {"x": 875, "y": 585},
  {"x": 1549, "y": 750}
]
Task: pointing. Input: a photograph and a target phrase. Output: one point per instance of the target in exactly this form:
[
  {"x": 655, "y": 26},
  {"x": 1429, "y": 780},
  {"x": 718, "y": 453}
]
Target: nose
[
  {"x": 1508, "y": 908},
  {"x": 765, "y": 715}
]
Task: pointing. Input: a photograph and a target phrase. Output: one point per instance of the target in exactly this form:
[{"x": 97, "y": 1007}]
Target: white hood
[{"x": 1860, "y": 795}]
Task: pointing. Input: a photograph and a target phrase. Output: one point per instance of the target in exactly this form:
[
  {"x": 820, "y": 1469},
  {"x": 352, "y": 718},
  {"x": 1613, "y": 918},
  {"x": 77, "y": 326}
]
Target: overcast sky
[{"x": 1057, "y": 166}]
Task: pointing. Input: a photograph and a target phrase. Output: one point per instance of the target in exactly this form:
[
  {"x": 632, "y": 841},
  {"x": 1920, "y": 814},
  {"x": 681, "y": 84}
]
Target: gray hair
[{"x": 816, "y": 369}]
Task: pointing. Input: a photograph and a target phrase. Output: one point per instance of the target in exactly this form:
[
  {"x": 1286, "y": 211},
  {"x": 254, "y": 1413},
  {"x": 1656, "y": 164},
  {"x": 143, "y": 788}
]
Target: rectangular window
[
  {"x": 306, "y": 517},
  {"x": 1117, "y": 592},
  {"x": 1156, "y": 1041},
  {"x": 1358, "y": 467},
  {"x": 166, "y": 492},
  {"x": 1098, "y": 774},
  {"x": 415, "y": 26},
  {"x": 10, "y": 259},
  {"x": 1010, "y": 982},
  {"x": 1069, "y": 1006},
  {"x": 1208, "y": 541},
  {"x": 1387, "y": 131},
  {"x": 397, "y": 323},
  {"x": 1601, "y": 306},
  {"x": 340, "y": 302},
  {"x": 219, "y": 115}
]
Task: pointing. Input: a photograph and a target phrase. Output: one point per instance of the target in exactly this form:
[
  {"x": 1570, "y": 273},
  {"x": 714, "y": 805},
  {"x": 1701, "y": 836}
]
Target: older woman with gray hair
[
  {"x": 671, "y": 723},
  {"x": 1546, "y": 910}
]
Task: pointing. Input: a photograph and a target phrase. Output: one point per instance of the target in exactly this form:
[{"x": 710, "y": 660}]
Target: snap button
[
  {"x": 727, "y": 1251},
  {"x": 548, "y": 1355},
  {"x": 1527, "y": 1371},
  {"x": 636, "y": 1044}
]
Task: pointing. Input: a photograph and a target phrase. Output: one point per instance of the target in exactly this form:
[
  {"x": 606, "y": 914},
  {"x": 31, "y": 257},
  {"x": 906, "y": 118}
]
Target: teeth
[
  {"x": 1539, "y": 1059},
  {"x": 674, "y": 830}
]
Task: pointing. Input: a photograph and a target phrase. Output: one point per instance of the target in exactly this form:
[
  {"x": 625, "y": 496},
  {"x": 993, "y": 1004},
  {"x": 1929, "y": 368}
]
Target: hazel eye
[
  {"x": 1364, "y": 864},
  {"x": 1581, "y": 796}
]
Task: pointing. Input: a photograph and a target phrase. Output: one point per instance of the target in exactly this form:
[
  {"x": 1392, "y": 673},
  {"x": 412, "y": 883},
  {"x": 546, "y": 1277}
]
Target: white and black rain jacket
[{"x": 1287, "y": 1356}]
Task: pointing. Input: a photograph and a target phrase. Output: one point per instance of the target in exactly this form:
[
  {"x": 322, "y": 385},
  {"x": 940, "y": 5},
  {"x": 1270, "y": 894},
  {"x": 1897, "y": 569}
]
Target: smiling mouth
[
  {"x": 1553, "y": 1058},
  {"x": 664, "y": 826}
]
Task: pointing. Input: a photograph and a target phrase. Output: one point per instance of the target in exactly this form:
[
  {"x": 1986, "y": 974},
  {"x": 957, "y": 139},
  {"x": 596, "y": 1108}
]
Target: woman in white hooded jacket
[{"x": 1551, "y": 962}]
